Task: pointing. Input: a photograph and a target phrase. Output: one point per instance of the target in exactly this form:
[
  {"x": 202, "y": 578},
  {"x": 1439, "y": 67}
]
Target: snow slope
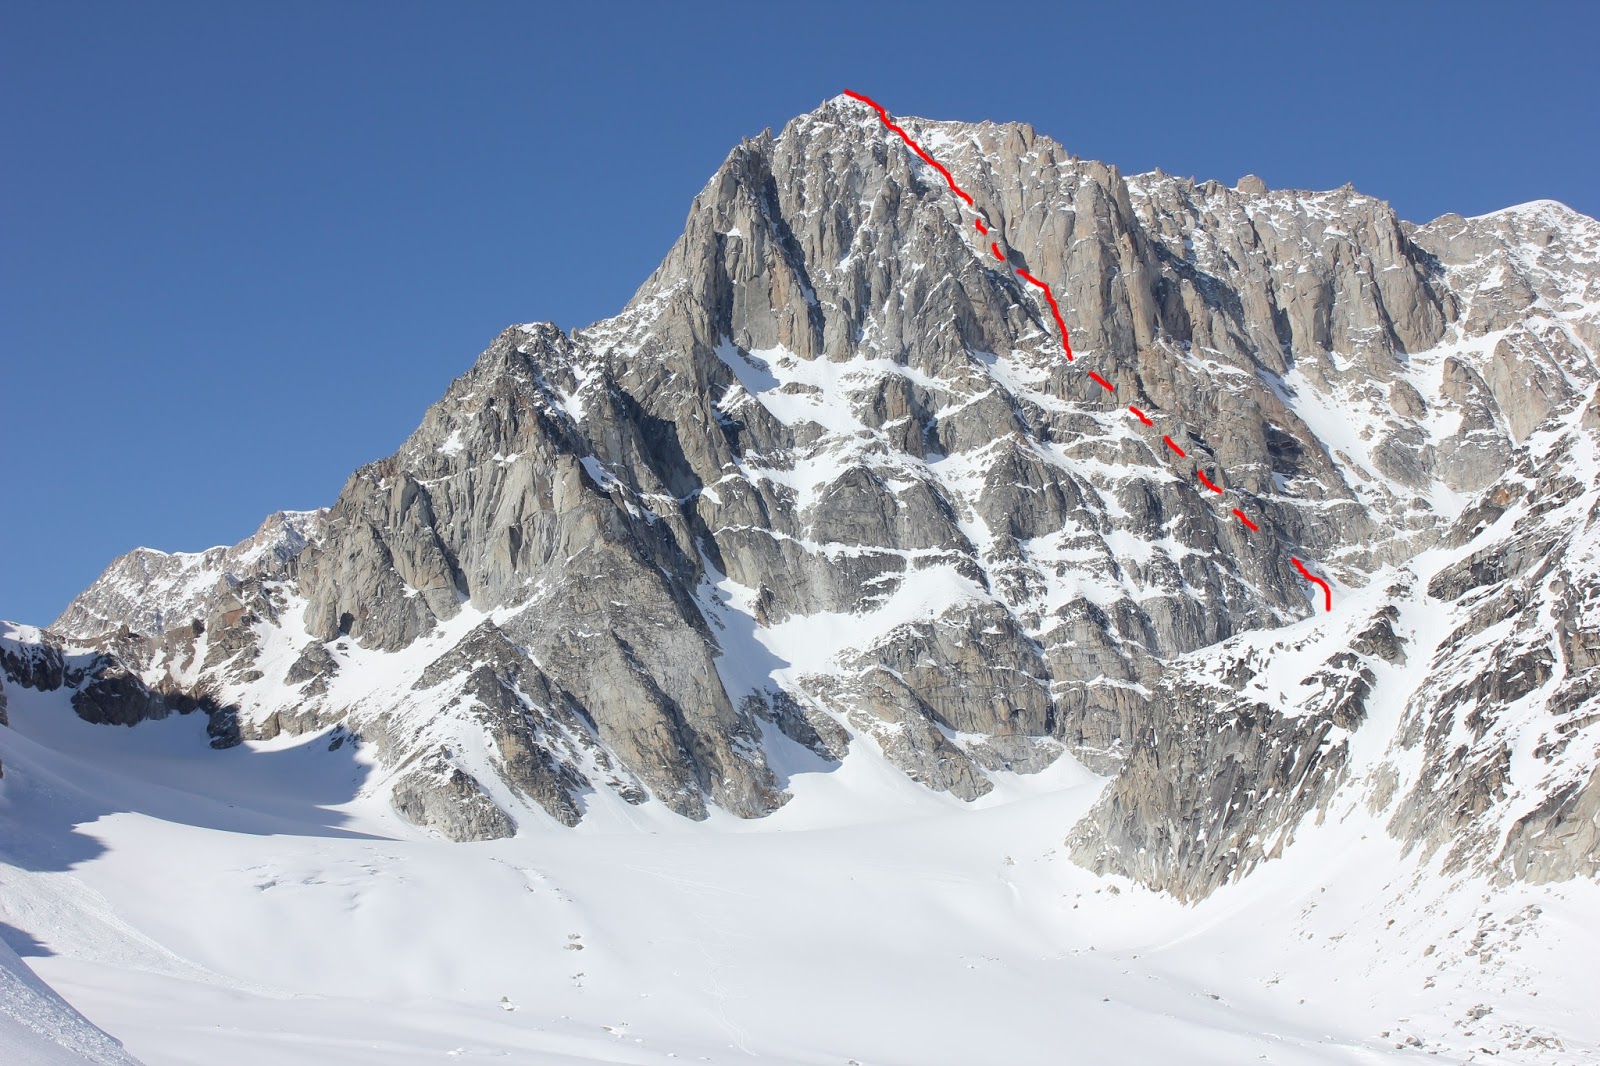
[
  {"x": 254, "y": 906},
  {"x": 39, "y": 1028}
]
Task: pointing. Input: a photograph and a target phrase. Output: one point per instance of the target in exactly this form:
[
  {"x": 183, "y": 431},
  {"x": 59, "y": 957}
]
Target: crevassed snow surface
[{"x": 253, "y": 907}]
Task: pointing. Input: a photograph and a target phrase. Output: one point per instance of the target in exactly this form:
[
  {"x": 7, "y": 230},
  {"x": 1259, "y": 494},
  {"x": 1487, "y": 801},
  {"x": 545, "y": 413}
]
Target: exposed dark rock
[{"x": 439, "y": 795}]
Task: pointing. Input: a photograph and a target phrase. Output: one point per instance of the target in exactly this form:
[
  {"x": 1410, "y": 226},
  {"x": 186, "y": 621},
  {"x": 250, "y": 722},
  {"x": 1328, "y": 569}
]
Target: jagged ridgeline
[{"x": 826, "y": 489}]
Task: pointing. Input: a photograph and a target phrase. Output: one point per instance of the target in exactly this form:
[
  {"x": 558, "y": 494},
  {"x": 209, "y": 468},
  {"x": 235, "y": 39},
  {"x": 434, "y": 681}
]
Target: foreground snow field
[{"x": 251, "y": 906}]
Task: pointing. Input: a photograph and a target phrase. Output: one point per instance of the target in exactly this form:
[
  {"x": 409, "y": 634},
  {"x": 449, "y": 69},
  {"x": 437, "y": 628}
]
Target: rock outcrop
[{"x": 828, "y": 477}]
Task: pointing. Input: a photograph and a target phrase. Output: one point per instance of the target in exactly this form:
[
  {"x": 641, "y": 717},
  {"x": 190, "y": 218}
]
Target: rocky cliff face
[
  {"x": 152, "y": 591},
  {"x": 826, "y": 486}
]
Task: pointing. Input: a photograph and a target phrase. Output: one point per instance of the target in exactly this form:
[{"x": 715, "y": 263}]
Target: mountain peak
[{"x": 829, "y": 488}]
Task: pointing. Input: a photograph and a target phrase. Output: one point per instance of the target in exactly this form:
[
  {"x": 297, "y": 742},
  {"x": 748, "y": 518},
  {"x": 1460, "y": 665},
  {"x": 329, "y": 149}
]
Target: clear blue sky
[{"x": 245, "y": 245}]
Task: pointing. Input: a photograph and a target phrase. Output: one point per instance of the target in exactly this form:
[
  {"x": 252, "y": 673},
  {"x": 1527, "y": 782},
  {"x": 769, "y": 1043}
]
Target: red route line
[
  {"x": 913, "y": 145},
  {"x": 1054, "y": 310},
  {"x": 1061, "y": 324},
  {"x": 1327, "y": 593}
]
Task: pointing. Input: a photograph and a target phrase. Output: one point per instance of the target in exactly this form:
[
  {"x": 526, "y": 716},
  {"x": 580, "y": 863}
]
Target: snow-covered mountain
[{"x": 824, "y": 526}]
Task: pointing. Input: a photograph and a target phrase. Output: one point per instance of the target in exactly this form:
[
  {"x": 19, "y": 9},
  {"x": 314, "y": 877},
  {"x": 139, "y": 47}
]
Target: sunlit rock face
[{"x": 827, "y": 487}]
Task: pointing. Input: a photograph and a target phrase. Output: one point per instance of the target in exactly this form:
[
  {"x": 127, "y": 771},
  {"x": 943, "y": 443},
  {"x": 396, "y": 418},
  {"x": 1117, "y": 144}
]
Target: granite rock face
[
  {"x": 827, "y": 488},
  {"x": 1518, "y": 672},
  {"x": 150, "y": 591},
  {"x": 1217, "y": 782},
  {"x": 439, "y": 795},
  {"x": 1471, "y": 692}
]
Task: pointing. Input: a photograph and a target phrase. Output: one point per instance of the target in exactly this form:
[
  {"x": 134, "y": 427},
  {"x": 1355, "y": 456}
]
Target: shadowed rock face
[
  {"x": 829, "y": 476},
  {"x": 104, "y": 688}
]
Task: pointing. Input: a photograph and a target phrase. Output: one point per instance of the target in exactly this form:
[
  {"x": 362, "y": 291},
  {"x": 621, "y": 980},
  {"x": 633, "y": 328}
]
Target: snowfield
[{"x": 255, "y": 906}]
